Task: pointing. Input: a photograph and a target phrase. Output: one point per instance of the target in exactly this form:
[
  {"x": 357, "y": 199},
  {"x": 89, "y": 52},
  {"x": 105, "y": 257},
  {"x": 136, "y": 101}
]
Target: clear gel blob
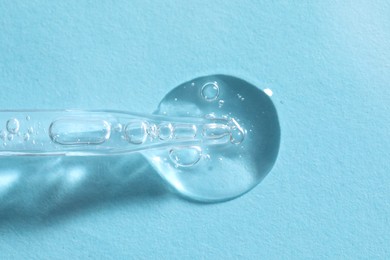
[{"x": 225, "y": 171}]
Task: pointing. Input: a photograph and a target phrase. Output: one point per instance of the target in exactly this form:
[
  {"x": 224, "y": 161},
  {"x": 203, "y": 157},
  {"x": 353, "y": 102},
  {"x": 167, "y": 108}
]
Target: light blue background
[{"x": 327, "y": 63}]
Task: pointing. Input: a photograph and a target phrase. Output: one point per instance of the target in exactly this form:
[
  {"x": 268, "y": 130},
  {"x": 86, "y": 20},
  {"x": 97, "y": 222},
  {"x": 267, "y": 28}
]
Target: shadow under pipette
[{"x": 40, "y": 190}]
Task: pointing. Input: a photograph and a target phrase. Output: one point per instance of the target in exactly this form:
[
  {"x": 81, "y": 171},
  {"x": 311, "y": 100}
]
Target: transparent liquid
[
  {"x": 212, "y": 138},
  {"x": 252, "y": 133}
]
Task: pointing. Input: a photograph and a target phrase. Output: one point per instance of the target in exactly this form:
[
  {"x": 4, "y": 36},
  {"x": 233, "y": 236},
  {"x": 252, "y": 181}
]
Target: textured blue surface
[{"x": 328, "y": 65}]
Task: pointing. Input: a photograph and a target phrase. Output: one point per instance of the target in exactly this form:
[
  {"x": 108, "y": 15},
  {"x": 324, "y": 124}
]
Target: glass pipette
[{"x": 212, "y": 138}]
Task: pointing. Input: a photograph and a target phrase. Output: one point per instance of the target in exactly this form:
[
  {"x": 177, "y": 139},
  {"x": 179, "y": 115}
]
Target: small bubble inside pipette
[{"x": 13, "y": 126}]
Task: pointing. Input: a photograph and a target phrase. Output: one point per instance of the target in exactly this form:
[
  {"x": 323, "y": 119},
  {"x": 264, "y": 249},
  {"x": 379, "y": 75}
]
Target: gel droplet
[
  {"x": 136, "y": 132},
  {"x": 210, "y": 91},
  {"x": 10, "y": 137},
  {"x": 13, "y": 126},
  {"x": 26, "y": 137},
  {"x": 221, "y": 173},
  {"x": 28, "y": 118},
  {"x": 220, "y": 103},
  {"x": 30, "y": 130},
  {"x": 185, "y": 156}
]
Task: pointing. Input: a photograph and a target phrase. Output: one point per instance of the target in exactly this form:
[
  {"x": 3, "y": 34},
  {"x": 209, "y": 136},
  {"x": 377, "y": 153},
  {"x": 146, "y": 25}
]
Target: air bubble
[
  {"x": 13, "y": 126},
  {"x": 237, "y": 136},
  {"x": 237, "y": 133},
  {"x": 165, "y": 131},
  {"x": 77, "y": 132},
  {"x": 215, "y": 131},
  {"x": 136, "y": 132},
  {"x": 210, "y": 91},
  {"x": 185, "y": 156},
  {"x": 185, "y": 131}
]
